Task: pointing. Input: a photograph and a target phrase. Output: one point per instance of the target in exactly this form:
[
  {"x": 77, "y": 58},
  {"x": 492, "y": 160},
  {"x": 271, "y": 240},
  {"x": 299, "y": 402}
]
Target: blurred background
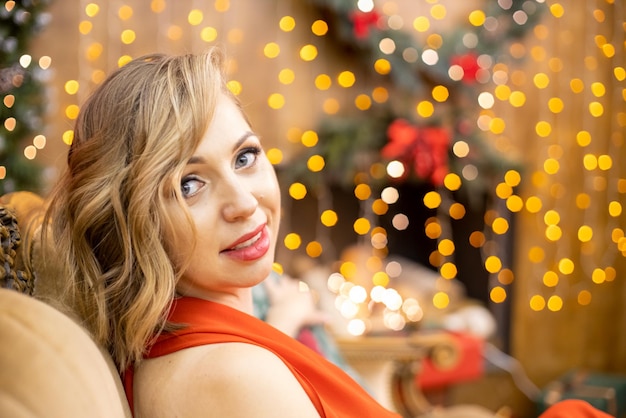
[{"x": 435, "y": 155}]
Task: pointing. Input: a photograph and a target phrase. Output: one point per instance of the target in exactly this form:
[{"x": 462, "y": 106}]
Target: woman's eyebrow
[
  {"x": 243, "y": 139},
  {"x": 197, "y": 159}
]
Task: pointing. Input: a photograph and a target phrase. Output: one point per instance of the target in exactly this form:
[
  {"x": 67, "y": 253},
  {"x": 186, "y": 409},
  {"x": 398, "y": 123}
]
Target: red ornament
[
  {"x": 362, "y": 22},
  {"x": 423, "y": 149},
  {"x": 469, "y": 63}
]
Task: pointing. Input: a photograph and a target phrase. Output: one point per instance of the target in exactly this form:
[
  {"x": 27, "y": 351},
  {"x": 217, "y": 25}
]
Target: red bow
[
  {"x": 469, "y": 63},
  {"x": 425, "y": 149},
  {"x": 362, "y": 22}
]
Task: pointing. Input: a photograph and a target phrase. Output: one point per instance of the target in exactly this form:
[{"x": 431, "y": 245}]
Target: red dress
[{"x": 332, "y": 391}]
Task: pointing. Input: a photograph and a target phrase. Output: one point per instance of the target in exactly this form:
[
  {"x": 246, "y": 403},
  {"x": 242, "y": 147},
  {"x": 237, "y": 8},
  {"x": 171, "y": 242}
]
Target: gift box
[
  {"x": 606, "y": 392},
  {"x": 467, "y": 365}
]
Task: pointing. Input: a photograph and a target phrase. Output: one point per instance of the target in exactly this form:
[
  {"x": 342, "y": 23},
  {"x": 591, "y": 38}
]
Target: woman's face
[{"x": 233, "y": 197}]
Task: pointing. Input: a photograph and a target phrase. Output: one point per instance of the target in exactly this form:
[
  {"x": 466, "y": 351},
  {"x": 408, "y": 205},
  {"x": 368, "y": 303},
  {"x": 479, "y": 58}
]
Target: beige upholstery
[{"x": 49, "y": 366}]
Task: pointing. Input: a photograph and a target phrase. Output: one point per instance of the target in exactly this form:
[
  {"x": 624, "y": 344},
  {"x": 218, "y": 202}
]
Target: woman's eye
[
  {"x": 247, "y": 157},
  {"x": 189, "y": 186}
]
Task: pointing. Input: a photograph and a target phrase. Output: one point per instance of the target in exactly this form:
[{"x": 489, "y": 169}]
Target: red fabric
[
  {"x": 573, "y": 408},
  {"x": 331, "y": 390}
]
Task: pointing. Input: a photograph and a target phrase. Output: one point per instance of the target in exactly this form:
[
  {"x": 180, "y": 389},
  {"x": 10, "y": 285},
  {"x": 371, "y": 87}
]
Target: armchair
[{"x": 49, "y": 365}]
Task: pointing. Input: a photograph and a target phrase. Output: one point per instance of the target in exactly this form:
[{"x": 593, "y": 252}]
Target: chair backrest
[{"x": 50, "y": 366}]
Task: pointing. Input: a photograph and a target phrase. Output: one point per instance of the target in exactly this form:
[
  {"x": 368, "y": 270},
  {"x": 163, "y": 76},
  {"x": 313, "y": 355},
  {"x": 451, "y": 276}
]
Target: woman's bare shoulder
[{"x": 228, "y": 379}]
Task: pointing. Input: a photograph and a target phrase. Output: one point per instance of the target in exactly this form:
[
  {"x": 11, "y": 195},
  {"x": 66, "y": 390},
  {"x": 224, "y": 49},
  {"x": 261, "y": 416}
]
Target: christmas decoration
[
  {"x": 21, "y": 89},
  {"x": 450, "y": 67}
]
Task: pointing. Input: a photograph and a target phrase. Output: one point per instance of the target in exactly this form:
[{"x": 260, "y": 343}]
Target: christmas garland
[
  {"x": 21, "y": 89},
  {"x": 350, "y": 144}
]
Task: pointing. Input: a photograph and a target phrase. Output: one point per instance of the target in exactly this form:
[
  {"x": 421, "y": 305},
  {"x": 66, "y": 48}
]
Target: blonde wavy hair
[{"x": 111, "y": 217}]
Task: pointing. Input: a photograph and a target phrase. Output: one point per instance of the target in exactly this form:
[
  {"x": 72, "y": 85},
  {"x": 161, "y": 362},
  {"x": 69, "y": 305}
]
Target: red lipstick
[{"x": 250, "y": 247}]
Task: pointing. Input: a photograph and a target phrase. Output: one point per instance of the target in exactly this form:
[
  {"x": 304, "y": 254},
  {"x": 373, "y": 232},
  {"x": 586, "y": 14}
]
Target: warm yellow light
[
  {"x": 555, "y": 105},
  {"x": 446, "y": 247},
  {"x": 433, "y": 230},
  {"x": 421, "y": 24},
  {"x": 319, "y": 28},
  {"x": 314, "y": 249},
  {"x": 287, "y": 23},
  {"x": 615, "y": 209},
  {"x": 543, "y": 129},
  {"x": 208, "y": 34},
  {"x": 297, "y": 191},
  {"x": 331, "y": 106},
  {"x": 315, "y": 163},
  {"x": 125, "y": 12},
  {"x": 477, "y": 17},
  {"x": 438, "y": 11},
  {"x": 382, "y": 66},
  {"x": 234, "y": 86},
  {"x": 514, "y": 203},
  {"x": 541, "y": 80},
  {"x": 452, "y": 181},
  {"x": 517, "y": 99},
  {"x": 286, "y": 76},
  {"x": 557, "y": 10},
  {"x": 274, "y": 155},
  {"x": 537, "y": 303},
  {"x": 425, "y": 109},
  {"x": 583, "y": 138},
  {"x": 361, "y": 226},
  {"x": 550, "y": 278},
  {"x": 477, "y": 239},
  {"x": 380, "y": 278},
  {"x": 85, "y": 27},
  {"x": 309, "y": 138},
  {"x": 323, "y": 82},
  {"x": 71, "y": 111},
  {"x": 292, "y": 241},
  {"x": 128, "y": 36},
  {"x": 493, "y": 264},
  {"x": 497, "y": 294},
  {"x": 576, "y": 85},
  {"x": 329, "y": 218},
  {"x": 457, "y": 211},
  {"x": 71, "y": 87},
  {"x": 566, "y": 266},
  {"x": 271, "y": 50},
  {"x": 94, "y": 50},
  {"x": 68, "y": 137},
  {"x": 584, "y": 297},
  {"x": 308, "y": 52},
  {"x": 555, "y": 303},
  {"x": 432, "y": 200},
  {"x": 448, "y": 270},
  {"x": 363, "y": 102},
  {"x": 500, "y": 226},
  {"x": 379, "y": 207},
  {"x": 553, "y": 233},
  {"x": 536, "y": 254},
  {"x": 440, "y": 93},
  {"x": 362, "y": 191},
  {"x": 92, "y": 9},
  {"x": 441, "y": 300},
  {"x": 276, "y": 101},
  {"x": 346, "y": 79},
  {"x": 596, "y": 109}
]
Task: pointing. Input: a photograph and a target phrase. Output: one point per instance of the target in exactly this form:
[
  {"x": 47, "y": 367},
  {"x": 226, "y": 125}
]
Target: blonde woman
[{"x": 166, "y": 217}]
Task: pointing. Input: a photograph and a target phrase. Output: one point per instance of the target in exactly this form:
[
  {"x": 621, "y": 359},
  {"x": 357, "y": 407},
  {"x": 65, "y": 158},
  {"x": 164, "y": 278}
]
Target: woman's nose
[{"x": 240, "y": 201}]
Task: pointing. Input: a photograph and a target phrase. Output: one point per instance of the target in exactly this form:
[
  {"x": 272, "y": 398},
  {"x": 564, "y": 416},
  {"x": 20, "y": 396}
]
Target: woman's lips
[{"x": 251, "y": 246}]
